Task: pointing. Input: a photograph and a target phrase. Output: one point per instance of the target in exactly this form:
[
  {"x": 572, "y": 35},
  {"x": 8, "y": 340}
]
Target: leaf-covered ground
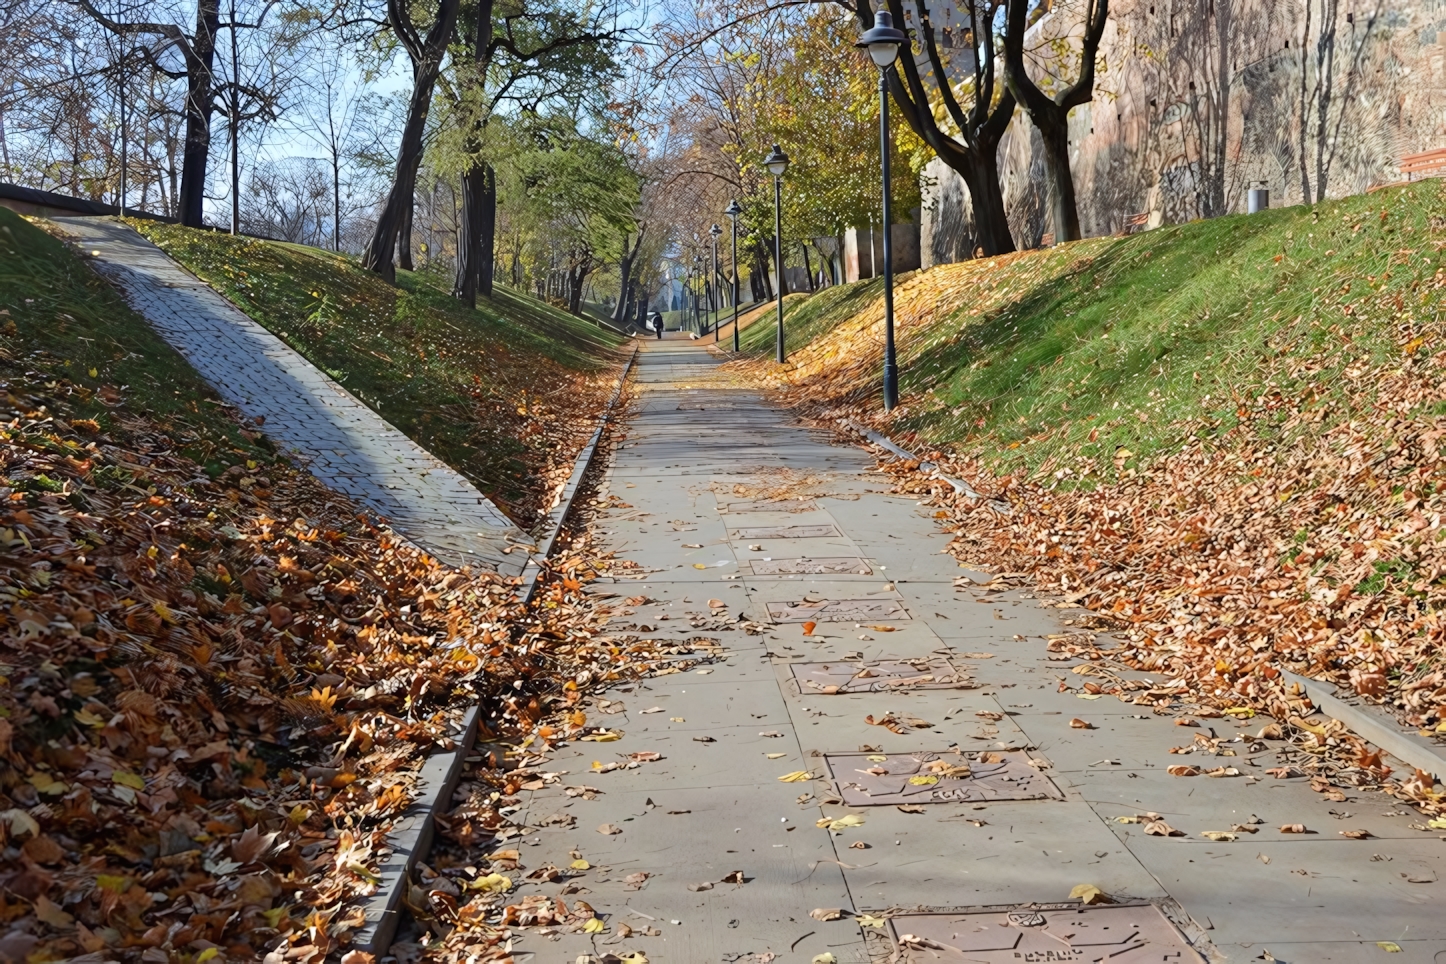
[
  {"x": 1222, "y": 436},
  {"x": 217, "y": 678},
  {"x": 507, "y": 394}
]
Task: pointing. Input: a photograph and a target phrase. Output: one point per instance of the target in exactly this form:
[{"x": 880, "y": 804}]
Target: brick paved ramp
[{"x": 343, "y": 442}]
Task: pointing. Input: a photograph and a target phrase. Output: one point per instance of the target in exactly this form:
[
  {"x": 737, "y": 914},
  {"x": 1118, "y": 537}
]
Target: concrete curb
[
  {"x": 961, "y": 487},
  {"x": 1374, "y": 726},
  {"x": 411, "y": 836}
]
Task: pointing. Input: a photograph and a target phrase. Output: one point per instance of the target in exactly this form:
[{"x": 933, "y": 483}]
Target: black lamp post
[
  {"x": 882, "y": 42},
  {"x": 697, "y": 302},
  {"x": 777, "y": 164},
  {"x": 733, "y": 210},
  {"x": 714, "y": 231}
]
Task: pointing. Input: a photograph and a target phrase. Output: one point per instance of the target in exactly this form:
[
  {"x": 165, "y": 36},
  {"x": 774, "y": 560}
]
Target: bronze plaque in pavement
[
  {"x": 785, "y": 532},
  {"x": 881, "y": 676},
  {"x": 1113, "y": 933},
  {"x": 837, "y": 611},
  {"x": 880, "y": 779},
  {"x": 782, "y": 505},
  {"x": 840, "y": 565}
]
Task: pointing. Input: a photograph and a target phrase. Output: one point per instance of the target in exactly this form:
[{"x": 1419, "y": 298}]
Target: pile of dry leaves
[
  {"x": 214, "y": 694},
  {"x": 1282, "y": 544}
]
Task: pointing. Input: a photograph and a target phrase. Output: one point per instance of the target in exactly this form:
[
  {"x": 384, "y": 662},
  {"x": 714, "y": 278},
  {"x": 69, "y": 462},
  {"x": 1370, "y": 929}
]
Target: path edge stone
[
  {"x": 1374, "y": 726},
  {"x": 959, "y": 486},
  {"x": 411, "y": 836}
]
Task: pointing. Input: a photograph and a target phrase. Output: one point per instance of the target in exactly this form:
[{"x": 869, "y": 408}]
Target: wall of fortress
[{"x": 1200, "y": 100}]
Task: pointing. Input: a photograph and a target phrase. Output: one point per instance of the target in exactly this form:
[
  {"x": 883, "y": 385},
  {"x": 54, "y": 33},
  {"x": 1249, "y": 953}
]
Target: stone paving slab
[
  {"x": 1321, "y": 898},
  {"x": 336, "y": 436}
]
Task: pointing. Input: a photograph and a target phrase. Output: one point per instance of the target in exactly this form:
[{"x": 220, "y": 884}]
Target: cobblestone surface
[{"x": 322, "y": 425}]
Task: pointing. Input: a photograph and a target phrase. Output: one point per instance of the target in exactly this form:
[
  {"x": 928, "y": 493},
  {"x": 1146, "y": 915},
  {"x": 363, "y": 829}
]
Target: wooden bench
[
  {"x": 1135, "y": 222},
  {"x": 1426, "y": 164}
]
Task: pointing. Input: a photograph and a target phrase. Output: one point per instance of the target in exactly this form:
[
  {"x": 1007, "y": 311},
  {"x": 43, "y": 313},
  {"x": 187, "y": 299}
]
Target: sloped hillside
[{"x": 506, "y": 394}]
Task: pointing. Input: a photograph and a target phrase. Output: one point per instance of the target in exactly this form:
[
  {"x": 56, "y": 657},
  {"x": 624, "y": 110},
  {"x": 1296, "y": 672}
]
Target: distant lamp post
[
  {"x": 733, "y": 210},
  {"x": 712, "y": 278},
  {"x": 777, "y": 164},
  {"x": 697, "y": 302},
  {"x": 882, "y": 42}
]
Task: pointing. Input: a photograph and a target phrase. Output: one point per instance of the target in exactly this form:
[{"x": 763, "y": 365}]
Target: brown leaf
[
  {"x": 1079, "y": 724},
  {"x": 1356, "y": 834},
  {"x": 826, "y": 913},
  {"x": 1293, "y": 828},
  {"x": 608, "y": 830},
  {"x": 1181, "y": 770},
  {"x": 1159, "y": 828}
]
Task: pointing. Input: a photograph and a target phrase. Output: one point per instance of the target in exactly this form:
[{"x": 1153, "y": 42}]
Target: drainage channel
[{"x": 413, "y": 831}]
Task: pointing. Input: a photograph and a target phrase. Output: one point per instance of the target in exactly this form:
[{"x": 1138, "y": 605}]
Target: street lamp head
[
  {"x": 715, "y": 231},
  {"x": 733, "y": 209},
  {"x": 882, "y": 40},
  {"x": 776, "y": 162}
]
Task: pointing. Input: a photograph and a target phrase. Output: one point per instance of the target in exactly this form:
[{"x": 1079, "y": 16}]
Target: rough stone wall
[{"x": 1200, "y": 100}]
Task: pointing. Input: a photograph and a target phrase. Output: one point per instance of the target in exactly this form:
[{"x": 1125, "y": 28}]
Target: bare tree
[{"x": 1050, "y": 113}]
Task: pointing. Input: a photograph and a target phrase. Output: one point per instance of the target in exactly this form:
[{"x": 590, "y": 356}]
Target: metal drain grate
[
  {"x": 785, "y": 532},
  {"x": 837, "y": 611},
  {"x": 1113, "y": 933},
  {"x": 880, "y": 779},
  {"x": 841, "y": 565},
  {"x": 882, "y": 676}
]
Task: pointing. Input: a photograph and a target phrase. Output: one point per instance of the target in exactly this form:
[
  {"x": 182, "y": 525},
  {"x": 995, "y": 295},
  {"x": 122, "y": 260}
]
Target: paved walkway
[
  {"x": 342, "y": 441},
  {"x": 706, "y": 468}
]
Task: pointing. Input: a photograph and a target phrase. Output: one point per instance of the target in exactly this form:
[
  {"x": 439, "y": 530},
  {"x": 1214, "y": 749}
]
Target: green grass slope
[
  {"x": 1105, "y": 351},
  {"x": 58, "y": 318},
  {"x": 506, "y": 393}
]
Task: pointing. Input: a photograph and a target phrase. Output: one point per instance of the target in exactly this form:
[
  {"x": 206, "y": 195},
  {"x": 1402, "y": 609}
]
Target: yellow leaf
[
  {"x": 207, "y": 954},
  {"x": 923, "y": 781},
  {"x": 1089, "y": 894},
  {"x": 824, "y": 958},
  {"x": 1390, "y": 947},
  {"x": 797, "y": 776},
  {"x": 580, "y": 865},
  {"x": 877, "y": 758},
  {"x": 775, "y": 756},
  {"x": 865, "y": 920},
  {"x": 1437, "y": 823},
  {"x": 46, "y": 783},
  {"x": 93, "y": 373},
  {"x": 112, "y": 883},
  {"x": 364, "y": 872},
  {"x": 699, "y": 565},
  {"x": 87, "y": 718},
  {"x": 849, "y": 820},
  {"x": 132, "y": 780},
  {"x": 1219, "y": 836},
  {"x": 594, "y": 926},
  {"x": 1243, "y": 712},
  {"x": 636, "y": 957},
  {"x": 492, "y": 884},
  {"x": 606, "y": 736}
]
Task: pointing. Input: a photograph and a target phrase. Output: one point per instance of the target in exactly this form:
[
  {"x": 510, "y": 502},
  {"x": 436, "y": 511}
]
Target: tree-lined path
[{"x": 728, "y": 501}]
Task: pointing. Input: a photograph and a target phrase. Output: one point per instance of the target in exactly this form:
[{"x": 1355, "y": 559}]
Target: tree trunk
[
  {"x": 198, "y": 113},
  {"x": 404, "y": 230},
  {"x": 764, "y": 285},
  {"x": 808, "y": 266},
  {"x": 640, "y": 320},
  {"x": 991, "y": 224},
  {"x": 469, "y": 238},
  {"x": 394, "y": 225},
  {"x": 1063, "y": 211}
]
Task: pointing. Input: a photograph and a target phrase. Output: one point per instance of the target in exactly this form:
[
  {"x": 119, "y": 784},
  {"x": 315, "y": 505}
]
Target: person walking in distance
[{"x": 658, "y": 324}]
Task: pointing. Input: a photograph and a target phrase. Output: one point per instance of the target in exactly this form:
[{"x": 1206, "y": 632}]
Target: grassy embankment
[
  {"x": 60, "y": 320},
  {"x": 506, "y": 394},
  {"x": 1064, "y": 358}
]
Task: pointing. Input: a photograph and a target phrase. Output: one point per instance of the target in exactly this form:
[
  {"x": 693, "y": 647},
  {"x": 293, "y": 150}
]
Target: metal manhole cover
[
  {"x": 841, "y": 565},
  {"x": 837, "y": 611},
  {"x": 882, "y": 676},
  {"x": 1117, "y": 934},
  {"x": 783, "y": 505},
  {"x": 784, "y": 532},
  {"x": 880, "y": 779}
]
